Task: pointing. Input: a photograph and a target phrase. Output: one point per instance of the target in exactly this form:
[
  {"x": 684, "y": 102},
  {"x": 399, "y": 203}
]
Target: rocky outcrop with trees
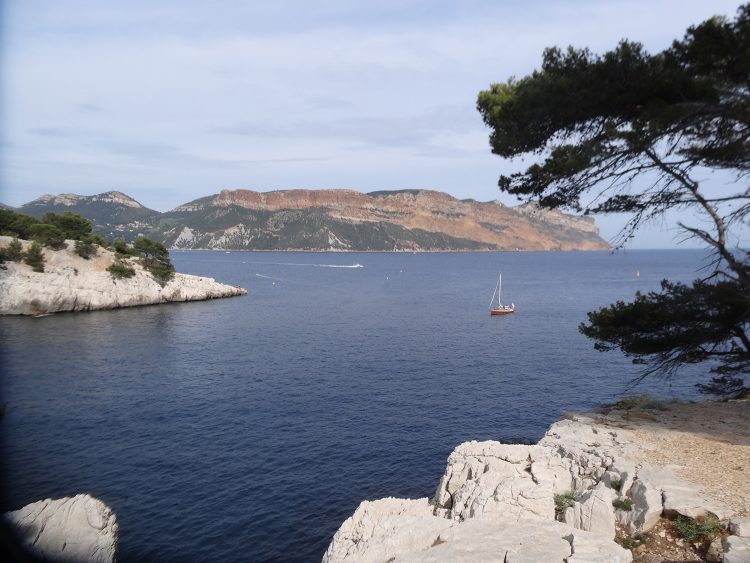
[{"x": 67, "y": 268}]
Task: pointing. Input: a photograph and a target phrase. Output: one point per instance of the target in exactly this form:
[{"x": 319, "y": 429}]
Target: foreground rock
[
  {"x": 562, "y": 499},
  {"x": 71, "y": 283},
  {"x": 77, "y": 529}
]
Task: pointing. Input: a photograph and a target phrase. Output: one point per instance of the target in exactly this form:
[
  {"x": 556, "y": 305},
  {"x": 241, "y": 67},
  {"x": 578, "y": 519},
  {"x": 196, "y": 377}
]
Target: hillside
[
  {"x": 112, "y": 214},
  {"x": 334, "y": 219}
]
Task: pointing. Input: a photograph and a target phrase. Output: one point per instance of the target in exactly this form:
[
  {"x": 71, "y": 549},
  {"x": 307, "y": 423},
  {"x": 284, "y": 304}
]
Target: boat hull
[{"x": 503, "y": 311}]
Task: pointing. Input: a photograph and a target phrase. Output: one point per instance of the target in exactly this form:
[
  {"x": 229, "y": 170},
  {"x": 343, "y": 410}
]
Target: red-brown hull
[{"x": 502, "y": 311}]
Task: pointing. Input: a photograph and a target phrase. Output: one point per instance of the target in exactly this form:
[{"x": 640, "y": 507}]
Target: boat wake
[
  {"x": 308, "y": 265},
  {"x": 268, "y": 277}
]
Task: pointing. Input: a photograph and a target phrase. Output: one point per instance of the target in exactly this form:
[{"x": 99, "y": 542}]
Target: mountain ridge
[{"x": 332, "y": 219}]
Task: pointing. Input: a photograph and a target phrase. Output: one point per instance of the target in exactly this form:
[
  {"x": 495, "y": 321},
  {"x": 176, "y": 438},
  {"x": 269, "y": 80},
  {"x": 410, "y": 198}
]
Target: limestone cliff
[
  {"x": 335, "y": 219},
  {"x": 71, "y": 283}
]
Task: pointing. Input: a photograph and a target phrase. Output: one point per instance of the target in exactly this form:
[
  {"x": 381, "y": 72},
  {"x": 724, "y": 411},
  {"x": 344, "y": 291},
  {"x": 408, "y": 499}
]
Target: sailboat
[{"x": 500, "y": 309}]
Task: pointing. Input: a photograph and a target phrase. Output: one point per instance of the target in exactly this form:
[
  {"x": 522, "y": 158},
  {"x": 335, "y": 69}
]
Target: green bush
[
  {"x": 639, "y": 402},
  {"x": 122, "y": 249},
  {"x": 16, "y": 224},
  {"x": 118, "y": 270},
  {"x": 98, "y": 239},
  {"x": 155, "y": 258},
  {"x": 34, "y": 257},
  {"x": 623, "y": 504},
  {"x": 48, "y": 235},
  {"x": 565, "y": 500},
  {"x": 13, "y": 252},
  {"x": 85, "y": 248},
  {"x": 693, "y": 529},
  {"x": 161, "y": 272},
  {"x": 72, "y": 226},
  {"x": 616, "y": 484}
]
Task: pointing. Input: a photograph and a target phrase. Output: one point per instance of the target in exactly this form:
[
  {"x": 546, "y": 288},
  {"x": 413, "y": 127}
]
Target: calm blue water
[{"x": 247, "y": 429}]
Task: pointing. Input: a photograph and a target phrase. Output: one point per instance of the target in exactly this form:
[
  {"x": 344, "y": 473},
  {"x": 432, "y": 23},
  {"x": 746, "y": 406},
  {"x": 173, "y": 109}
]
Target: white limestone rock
[
  {"x": 71, "y": 529},
  {"x": 594, "y": 548},
  {"x": 647, "y": 507},
  {"x": 379, "y": 530},
  {"x": 495, "y": 502},
  {"x": 71, "y": 283},
  {"x": 404, "y": 531},
  {"x": 491, "y": 478},
  {"x": 740, "y": 527},
  {"x": 736, "y": 549},
  {"x": 594, "y": 511},
  {"x": 683, "y": 499}
]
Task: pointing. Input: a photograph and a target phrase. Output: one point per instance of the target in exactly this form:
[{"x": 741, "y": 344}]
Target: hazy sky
[{"x": 169, "y": 101}]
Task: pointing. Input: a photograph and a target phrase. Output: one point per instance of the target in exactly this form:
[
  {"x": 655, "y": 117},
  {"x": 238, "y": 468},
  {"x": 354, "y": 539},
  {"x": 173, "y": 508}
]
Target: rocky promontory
[
  {"x": 616, "y": 487},
  {"x": 72, "y": 283}
]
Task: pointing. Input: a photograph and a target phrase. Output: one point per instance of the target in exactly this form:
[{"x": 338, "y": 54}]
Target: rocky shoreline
[
  {"x": 587, "y": 490},
  {"x": 72, "y": 283}
]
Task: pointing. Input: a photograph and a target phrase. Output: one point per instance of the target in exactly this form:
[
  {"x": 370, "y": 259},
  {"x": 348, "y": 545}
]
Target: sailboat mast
[{"x": 499, "y": 290}]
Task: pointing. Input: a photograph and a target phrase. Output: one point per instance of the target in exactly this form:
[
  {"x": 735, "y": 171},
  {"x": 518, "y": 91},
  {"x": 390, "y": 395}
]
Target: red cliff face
[{"x": 491, "y": 224}]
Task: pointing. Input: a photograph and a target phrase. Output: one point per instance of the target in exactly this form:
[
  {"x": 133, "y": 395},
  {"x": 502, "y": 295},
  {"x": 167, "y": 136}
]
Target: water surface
[{"x": 247, "y": 429}]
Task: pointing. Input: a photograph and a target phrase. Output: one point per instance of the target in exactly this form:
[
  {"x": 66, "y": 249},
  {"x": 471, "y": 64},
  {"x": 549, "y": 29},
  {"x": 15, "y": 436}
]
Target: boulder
[
  {"x": 71, "y": 529},
  {"x": 647, "y": 507},
  {"x": 594, "y": 511}
]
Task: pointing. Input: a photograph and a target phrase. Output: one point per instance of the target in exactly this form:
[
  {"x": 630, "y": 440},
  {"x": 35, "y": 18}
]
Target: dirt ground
[{"x": 710, "y": 442}]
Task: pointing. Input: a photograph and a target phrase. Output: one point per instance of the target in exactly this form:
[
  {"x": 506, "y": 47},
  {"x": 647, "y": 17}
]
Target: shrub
[
  {"x": 161, "y": 272},
  {"x": 16, "y": 224},
  {"x": 98, "y": 239},
  {"x": 34, "y": 257},
  {"x": 692, "y": 529},
  {"x": 631, "y": 543},
  {"x": 639, "y": 402},
  {"x": 623, "y": 504},
  {"x": 85, "y": 248},
  {"x": 72, "y": 226},
  {"x": 123, "y": 250},
  {"x": 118, "y": 270},
  {"x": 48, "y": 235},
  {"x": 616, "y": 484},
  {"x": 155, "y": 258},
  {"x": 13, "y": 252},
  {"x": 565, "y": 500}
]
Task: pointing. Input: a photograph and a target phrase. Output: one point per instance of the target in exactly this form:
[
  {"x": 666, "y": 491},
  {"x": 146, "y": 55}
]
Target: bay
[{"x": 248, "y": 429}]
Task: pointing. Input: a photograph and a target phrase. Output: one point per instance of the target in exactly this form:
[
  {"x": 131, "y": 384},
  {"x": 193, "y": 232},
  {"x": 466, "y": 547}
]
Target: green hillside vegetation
[
  {"x": 106, "y": 217},
  {"x": 301, "y": 229}
]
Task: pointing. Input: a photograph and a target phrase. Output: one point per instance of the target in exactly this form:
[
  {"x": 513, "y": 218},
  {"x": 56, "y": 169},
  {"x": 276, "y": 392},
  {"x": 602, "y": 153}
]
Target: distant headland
[{"x": 331, "y": 220}]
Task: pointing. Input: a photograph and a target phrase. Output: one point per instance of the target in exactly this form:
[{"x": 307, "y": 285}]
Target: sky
[{"x": 173, "y": 100}]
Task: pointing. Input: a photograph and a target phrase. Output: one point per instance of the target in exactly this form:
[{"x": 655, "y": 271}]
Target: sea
[{"x": 250, "y": 428}]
